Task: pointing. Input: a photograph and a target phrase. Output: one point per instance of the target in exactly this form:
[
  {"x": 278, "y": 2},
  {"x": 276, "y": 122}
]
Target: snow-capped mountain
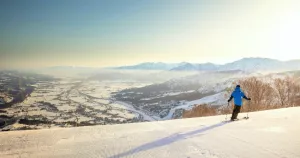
[
  {"x": 208, "y": 66},
  {"x": 292, "y": 65},
  {"x": 245, "y": 64},
  {"x": 150, "y": 66},
  {"x": 186, "y": 67},
  {"x": 196, "y": 67},
  {"x": 250, "y": 64}
]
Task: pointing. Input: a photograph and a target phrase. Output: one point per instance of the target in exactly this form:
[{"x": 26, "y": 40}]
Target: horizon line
[{"x": 105, "y": 67}]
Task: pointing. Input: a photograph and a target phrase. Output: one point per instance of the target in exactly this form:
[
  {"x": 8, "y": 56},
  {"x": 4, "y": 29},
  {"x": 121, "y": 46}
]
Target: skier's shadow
[{"x": 167, "y": 140}]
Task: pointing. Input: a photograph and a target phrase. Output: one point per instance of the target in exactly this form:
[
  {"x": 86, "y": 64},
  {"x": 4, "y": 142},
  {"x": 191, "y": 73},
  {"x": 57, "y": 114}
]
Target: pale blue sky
[{"x": 37, "y": 33}]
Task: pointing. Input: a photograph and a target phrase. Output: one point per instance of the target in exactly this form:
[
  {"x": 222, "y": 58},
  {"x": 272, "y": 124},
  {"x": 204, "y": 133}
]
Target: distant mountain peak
[
  {"x": 244, "y": 64},
  {"x": 186, "y": 67},
  {"x": 149, "y": 66}
]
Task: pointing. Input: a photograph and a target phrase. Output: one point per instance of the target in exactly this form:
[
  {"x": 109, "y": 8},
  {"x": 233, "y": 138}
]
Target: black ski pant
[{"x": 236, "y": 111}]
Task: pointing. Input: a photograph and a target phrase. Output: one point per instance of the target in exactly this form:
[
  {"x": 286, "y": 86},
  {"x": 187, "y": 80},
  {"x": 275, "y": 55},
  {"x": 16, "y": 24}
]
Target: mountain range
[{"x": 245, "y": 64}]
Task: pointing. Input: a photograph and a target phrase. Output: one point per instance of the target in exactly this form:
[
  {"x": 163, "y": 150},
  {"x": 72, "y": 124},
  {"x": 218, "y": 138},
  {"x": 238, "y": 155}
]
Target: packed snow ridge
[{"x": 271, "y": 133}]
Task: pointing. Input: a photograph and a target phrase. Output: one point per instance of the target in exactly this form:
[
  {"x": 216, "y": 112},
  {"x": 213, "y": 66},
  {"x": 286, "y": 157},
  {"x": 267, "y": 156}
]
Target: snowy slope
[
  {"x": 131, "y": 108},
  {"x": 273, "y": 133},
  {"x": 216, "y": 99}
]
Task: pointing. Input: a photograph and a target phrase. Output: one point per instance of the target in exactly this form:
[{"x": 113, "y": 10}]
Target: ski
[{"x": 244, "y": 118}]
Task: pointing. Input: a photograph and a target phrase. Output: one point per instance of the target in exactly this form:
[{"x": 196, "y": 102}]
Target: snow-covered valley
[{"x": 68, "y": 102}]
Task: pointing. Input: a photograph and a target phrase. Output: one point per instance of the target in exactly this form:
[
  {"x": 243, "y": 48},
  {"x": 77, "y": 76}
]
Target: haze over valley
[{"x": 74, "y": 96}]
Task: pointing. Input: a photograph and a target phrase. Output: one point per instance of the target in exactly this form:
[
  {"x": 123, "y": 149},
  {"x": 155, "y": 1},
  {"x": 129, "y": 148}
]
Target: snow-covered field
[
  {"x": 104, "y": 89},
  {"x": 82, "y": 101},
  {"x": 272, "y": 133}
]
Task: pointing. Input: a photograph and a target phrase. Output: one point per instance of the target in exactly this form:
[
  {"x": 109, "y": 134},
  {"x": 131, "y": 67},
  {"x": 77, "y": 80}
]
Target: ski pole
[
  {"x": 248, "y": 109},
  {"x": 226, "y": 112}
]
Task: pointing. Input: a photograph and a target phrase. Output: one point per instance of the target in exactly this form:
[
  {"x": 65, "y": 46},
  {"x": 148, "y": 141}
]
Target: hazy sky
[{"x": 37, "y": 33}]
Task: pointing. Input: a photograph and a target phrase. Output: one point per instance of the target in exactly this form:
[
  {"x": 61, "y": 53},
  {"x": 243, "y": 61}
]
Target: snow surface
[{"x": 273, "y": 133}]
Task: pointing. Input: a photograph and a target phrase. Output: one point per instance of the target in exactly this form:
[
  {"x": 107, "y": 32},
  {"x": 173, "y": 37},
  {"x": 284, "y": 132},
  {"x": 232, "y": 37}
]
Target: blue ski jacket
[{"x": 238, "y": 95}]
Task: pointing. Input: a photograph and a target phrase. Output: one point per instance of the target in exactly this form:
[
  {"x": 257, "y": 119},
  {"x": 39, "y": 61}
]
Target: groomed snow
[{"x": 273, "y": 133}]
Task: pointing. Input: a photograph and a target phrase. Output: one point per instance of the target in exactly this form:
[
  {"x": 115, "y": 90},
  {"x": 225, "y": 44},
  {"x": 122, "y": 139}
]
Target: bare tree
[
  {"x": 287, "y": 91},
  {"x": 280, "y": 91},
  {"x": 200, "y": 110},
  {"x": 259, "y": 91},
  {"x": 292, "y": 90}
]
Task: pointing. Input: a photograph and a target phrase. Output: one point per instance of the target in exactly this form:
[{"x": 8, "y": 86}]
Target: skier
[{"x": 238, "y": 95}]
